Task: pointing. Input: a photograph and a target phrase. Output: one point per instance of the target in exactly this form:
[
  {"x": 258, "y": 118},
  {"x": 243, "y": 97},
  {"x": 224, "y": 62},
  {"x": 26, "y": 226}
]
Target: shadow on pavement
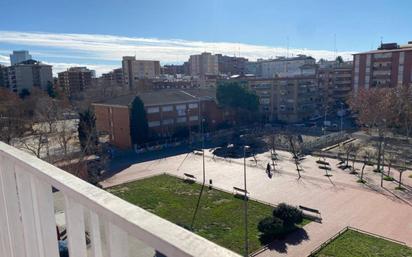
[{"x": 295, "y": 238}]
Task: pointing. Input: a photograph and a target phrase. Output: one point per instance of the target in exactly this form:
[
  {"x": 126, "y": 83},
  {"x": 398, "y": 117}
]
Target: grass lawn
[
  {"x": 219, "y": 218},
  {"x": 356, "y": 244}
]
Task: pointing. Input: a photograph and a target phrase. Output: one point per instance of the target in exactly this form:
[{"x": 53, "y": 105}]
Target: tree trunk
[{"x": 363, "y": 168}]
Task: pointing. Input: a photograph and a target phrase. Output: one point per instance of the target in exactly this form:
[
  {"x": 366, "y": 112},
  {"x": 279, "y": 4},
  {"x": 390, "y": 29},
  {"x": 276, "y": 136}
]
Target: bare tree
[
  {"x": 348, "y": 149},
  {"x": 401, "y": 171},
  {"x": 366, "y": 161},
  {"x": 295, "y": 149},
  {"x": 354, "y": 152},
  {"x": 14, "y": 116}
]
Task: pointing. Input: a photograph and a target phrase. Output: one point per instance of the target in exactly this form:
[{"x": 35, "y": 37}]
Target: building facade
[
  {"x": 335, "y": 83},
  {"x": 285, "y": 67},
  {"x": 75, "y": 80},
  {"x": 388, "y": 66},
  {"x": 202, "y": 65},
  {"x": 173, "y": 69},
  {"x": 231, "y": 65},
  {"x": 28, "y": 74},
  {"x": 135, "y": 70},
  {"x": 288, "y": 100},
  {"x": 19, "y": 56},
  {"x": 168, "y": 113},
  {"x": 113, "y": 78}
]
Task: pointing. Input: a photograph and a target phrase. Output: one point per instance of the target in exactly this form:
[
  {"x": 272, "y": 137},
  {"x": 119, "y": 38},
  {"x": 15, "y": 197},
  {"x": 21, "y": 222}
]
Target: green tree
[
  {"x": 139, "y": 130},
  {"x": 50, "y": 90},
  {"x": 339, "y": 59},
  {"x": 87, "y": 132},
  {"x": 238, "y": 98},
  {"x": 24, "y": 93},
  {"x": 289, "y": 214}
]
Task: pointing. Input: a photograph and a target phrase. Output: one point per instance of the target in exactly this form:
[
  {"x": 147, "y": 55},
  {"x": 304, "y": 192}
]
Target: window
[
  {"x": 193, "y": 118},
  {"x": 181, "y": 120},
  {"x": 167, "y": 108},
  {"x": 193, "y": 106},
  {"x": 152, "y": 124},
  {"x": 153, "y": 110},
  {"x": 181, "y": 107},
  {"x": 264, "y": 100},
  {"x": 167, "y": 121}
]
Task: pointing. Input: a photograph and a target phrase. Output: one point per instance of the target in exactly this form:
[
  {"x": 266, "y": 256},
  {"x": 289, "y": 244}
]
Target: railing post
[
  {"x": 95, "y": 236},
  {"x": 45, "y": 209},
  {"x": 12, "y": 232},
  {"x": 75, "y": 228},
  {"x": 117, "y": 241}
]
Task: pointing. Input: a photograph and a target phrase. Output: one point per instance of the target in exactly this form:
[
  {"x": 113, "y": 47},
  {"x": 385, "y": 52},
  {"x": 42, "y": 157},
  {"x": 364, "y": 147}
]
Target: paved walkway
[{"x": 341, "y": 200}]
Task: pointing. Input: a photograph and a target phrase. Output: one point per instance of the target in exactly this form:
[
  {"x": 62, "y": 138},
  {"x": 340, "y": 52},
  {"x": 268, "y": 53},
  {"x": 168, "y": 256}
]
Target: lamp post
[{"x": 245, "y": 201}]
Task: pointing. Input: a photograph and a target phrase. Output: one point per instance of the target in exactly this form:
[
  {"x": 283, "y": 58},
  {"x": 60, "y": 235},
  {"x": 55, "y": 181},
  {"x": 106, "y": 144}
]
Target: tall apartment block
[
  {"x": 75, "y": 80},
  {"x": 135, "y": 70},
  {"x": 289, "y": 99},
  {"x": 19, "y": 56},
  {"x": 231, "y": 65},
  {"x": 335, "y": 83},
  {"x": 28, "y": 74},
  {"x": 388, "y": 66},
  {"x": 202, "y": 65}
]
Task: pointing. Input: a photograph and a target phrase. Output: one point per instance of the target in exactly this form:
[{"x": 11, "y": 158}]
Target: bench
[
  {"x": 239, "y": 191},
  {"x": 314, "y": 213},
  {"x": 189, "y": 177}
]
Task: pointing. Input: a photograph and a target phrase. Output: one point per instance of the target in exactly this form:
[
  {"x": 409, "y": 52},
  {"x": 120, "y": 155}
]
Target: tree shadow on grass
[{"x": 294, "y": 238}]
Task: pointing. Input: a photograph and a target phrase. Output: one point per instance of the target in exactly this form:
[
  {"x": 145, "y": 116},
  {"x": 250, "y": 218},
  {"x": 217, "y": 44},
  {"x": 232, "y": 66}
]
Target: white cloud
[
  {"x": 5, "y": 60},
  {"x": 112, "y": 48},
  {"x": 61, "y": 66}
]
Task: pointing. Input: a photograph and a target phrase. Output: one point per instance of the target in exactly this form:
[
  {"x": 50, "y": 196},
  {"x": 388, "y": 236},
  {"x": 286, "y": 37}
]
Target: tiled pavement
[{"x": 341, "y": 200}]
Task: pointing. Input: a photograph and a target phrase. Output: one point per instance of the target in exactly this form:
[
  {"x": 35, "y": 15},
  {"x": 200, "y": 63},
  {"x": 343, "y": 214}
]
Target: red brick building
[
  {"x": 388, "y": 66},
  {"x": 167, "y": 112}
]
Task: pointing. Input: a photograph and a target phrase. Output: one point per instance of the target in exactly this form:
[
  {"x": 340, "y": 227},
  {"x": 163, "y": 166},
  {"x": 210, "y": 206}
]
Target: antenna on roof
[
  {"x": 334, "y": 46},
  {"x": 287, "y": 47}
]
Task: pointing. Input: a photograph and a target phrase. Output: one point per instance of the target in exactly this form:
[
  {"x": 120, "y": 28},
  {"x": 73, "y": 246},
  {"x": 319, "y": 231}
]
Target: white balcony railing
[{"x": 28, "y": 225}]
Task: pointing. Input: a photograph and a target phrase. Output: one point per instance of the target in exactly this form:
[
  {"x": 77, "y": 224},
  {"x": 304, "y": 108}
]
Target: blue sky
[{"x": 98, "y": 33}]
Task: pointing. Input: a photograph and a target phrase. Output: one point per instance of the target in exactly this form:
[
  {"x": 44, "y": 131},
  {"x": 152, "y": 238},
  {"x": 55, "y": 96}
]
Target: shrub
[
  {"x": 270, "y": 228},
  {"x": 289, "y": 214}
]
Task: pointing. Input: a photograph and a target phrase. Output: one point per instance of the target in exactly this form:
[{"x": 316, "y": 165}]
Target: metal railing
[{"x": 28, "y": 223}]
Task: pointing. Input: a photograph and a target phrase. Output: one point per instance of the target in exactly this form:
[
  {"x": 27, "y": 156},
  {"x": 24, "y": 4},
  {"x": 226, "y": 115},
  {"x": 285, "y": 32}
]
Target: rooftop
[{"x": 163, "y": 97}]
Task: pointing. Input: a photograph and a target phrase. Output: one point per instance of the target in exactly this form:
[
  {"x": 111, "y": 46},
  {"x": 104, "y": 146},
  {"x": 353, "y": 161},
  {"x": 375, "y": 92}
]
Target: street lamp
[{"x": 245, "y": 148}]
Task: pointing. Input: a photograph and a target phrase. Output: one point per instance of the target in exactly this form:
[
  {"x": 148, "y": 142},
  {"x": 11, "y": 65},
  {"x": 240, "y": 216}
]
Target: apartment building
[
  {"x": 297, "y": 98},
  {"x": 203, "y": 65},
  {"x": 113, "y": 78},
  {"x": 388, "y": 66},
  {"x": 3, "y": 75},
  {"x": 335, "y": 83},
  {"x": 75, "y": 80},
  {"x": 173, "y": 69},
  {"x": 289, "y": 100},
  {"x": 231, "y": 65},
  {"x": 19, "y": 56},
  {"x": 287, "y": 67},
  {"x": 26, "y": 75},
  {"x": 135, "y": 70},
  {"x": 167, "y": 111}
]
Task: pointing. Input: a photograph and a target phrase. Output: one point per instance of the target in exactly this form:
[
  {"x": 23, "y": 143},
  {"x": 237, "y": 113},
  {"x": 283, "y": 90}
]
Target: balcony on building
[{"x": 34, "y": 194}]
